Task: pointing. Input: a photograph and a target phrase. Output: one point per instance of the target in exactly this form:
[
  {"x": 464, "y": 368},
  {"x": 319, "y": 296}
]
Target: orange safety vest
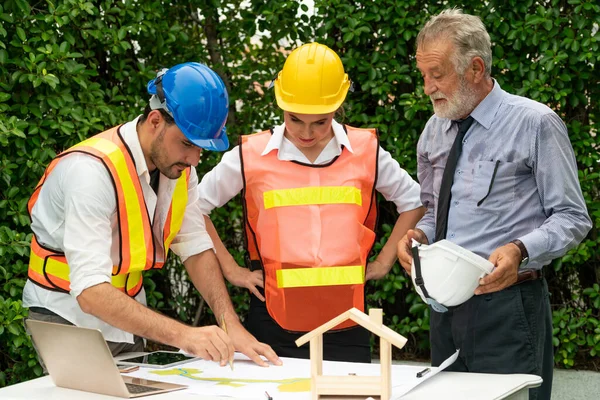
[
  {"x": 49, "y": 268},
  {"x": 311, "y": 228}
]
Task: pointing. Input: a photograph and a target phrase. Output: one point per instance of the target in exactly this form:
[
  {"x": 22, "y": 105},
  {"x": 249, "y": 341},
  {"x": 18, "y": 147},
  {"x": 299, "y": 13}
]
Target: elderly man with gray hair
[{"x": 498, "y": 177}]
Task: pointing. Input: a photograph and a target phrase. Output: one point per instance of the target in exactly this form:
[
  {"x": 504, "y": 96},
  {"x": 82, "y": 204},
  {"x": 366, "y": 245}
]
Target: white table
[{"x": 445, "y": 385}]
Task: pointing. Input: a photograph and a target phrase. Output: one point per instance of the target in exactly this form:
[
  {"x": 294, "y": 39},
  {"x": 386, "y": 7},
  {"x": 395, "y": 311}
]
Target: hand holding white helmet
[{"x": 446, "y": 274}]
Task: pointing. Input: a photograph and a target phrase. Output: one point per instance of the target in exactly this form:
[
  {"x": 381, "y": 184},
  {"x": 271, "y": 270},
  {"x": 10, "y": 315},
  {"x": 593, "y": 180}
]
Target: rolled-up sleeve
[
  {"x": 222, "y": 183},
  {"x": 90, "y": 210},
  {"x": 395, "y": 184}
]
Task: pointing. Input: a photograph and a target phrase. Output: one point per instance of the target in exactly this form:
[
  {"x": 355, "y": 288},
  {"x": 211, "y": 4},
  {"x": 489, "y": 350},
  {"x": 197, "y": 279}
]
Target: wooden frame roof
[{"x": 363, "y": 320}]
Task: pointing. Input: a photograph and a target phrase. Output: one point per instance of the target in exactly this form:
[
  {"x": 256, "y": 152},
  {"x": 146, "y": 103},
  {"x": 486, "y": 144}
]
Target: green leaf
[
  {"x": 417, "y": 308},
  {"x": 4, "y": 97},
  {"x": 575, "y": 46},
  {"x": 52, "y": 103},
  {"x": 18, "y": 341},
  {"x": 70, "y": 38},
  {"x": 24, "y": 6},
  {"x": 21, "y": 33},
  {"x": 13, "y": 328},
  {"x": 51, "y": 80},
  {"x": 372, "y": 74},
  {"x": 3, "y": 56},
  {"x": 504, "y": 28},
  {"x": 7, "y": 18}
]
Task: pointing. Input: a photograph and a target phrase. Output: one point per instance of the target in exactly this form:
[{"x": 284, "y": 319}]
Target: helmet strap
[
  {"x": 272, "y": 84},
  {"x": 421, "y": 283},
  {"x": 158, "y": 100},
  {"x": 159, "y": 89}
]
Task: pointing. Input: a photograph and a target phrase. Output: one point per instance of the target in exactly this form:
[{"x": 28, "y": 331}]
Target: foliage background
[{"x": 71, "y": 68}]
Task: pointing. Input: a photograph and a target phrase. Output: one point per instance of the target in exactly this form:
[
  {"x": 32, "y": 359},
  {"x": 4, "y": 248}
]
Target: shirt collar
[
  {"x": 277, "y": 138},
  {"x": 486, "y": 110},
  {"x": 130, "y": 136},
  {"x": 341, "y": 136}
]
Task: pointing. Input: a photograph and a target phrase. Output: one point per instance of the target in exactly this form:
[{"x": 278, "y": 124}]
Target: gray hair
[{"x": 468, "y": 34}]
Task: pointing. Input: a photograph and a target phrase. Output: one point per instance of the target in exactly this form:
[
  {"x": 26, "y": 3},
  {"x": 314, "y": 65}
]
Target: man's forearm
[
  {"x": 121, "y": 311},
  {"x": 205, "y": 273}
]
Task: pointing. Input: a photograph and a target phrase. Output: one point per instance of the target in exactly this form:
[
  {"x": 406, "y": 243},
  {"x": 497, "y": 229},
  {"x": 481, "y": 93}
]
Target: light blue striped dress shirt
[{"x": 535, "y": 194}]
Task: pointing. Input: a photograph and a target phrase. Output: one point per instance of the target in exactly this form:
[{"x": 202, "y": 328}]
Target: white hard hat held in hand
[{"x": 446, "y": 274}]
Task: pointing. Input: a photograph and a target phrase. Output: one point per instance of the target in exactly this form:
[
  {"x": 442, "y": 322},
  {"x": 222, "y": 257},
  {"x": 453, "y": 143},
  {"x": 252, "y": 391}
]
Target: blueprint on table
[{"x": 290, "y": 381}]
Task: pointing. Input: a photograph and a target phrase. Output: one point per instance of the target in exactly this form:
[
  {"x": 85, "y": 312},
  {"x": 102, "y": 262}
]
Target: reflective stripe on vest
[
  {"x": 49, "y": 269},
  {"x": 322, "y": 276},
  {"x": 312, "y": 195},
  {"x": 311, "y": 228}
]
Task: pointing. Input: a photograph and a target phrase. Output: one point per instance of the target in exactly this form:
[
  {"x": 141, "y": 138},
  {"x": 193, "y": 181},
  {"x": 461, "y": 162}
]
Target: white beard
[{"x": 457, "y": 106}]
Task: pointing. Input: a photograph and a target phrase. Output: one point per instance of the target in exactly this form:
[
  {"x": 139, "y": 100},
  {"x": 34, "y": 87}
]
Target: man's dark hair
[{"x": 168, "y": 119}]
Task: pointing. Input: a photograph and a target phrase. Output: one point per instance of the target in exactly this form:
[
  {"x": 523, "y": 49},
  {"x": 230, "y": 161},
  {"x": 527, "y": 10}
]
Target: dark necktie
[
  {"x": 154, "y": 180},
  {"x": 441, "y": 220}
]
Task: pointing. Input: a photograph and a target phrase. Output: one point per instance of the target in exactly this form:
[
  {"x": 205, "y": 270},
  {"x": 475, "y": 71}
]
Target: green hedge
[{"x": 71, "y": 68}]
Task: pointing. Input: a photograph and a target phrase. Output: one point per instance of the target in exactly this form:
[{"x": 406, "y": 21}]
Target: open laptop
[{"x": 79, "y": 358}]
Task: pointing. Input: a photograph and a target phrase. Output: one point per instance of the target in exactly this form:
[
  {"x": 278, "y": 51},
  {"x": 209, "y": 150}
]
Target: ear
[
  {"x": 155, "y": 121},
  {"x": 477, "y": 69}
]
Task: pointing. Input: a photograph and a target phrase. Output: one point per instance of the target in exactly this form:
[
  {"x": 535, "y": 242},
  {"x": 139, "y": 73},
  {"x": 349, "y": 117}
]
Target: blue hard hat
[{"x": 196, "y": 98}]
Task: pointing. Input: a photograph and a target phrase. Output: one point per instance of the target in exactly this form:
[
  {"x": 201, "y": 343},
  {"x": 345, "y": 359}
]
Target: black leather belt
[{"x": 529, "y": 275}]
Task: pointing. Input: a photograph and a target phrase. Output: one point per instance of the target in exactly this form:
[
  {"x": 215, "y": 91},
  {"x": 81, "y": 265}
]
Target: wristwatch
[{"x": 524, "y": 253}]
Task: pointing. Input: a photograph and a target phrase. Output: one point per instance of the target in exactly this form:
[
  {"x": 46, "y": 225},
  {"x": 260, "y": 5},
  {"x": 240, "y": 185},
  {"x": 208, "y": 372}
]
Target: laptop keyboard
[{"x": 137, "y": 389}]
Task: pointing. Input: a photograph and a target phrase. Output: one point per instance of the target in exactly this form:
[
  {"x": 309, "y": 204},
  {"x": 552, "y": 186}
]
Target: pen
[
  {"x": 421, "y": 374},
  {"x": 268, "y": 396},
  {"x": 225, "y": 329},
  {"x": 128, "y": 369}
]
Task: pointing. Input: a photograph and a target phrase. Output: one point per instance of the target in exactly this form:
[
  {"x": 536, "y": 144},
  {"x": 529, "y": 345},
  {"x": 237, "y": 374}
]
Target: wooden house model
[{"x": 352, "y": 386}]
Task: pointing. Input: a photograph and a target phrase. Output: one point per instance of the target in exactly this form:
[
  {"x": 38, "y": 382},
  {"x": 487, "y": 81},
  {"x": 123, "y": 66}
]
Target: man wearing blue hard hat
[{"x": 113, "y": 206}]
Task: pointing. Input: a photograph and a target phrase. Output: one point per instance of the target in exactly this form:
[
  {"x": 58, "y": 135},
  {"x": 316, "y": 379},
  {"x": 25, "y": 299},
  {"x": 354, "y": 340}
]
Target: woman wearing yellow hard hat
[{"x": 309, "y": 194}]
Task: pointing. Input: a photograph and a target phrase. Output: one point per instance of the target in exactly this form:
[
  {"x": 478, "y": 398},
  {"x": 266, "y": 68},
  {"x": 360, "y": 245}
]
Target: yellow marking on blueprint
[
  {"x": 231, "y": 384},
  {"x": 289, "y": 385},
  {"x": 177, "y": 371},
  {"x": 300, "y": 385}
]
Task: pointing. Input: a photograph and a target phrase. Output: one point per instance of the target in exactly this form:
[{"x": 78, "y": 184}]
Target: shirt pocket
[{"x": 494, "y": 185}]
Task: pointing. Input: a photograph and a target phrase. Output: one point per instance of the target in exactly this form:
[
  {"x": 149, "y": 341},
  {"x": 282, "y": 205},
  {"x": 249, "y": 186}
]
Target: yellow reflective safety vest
[
  {"x": 49, "y": 268},
  {"x": 311, "y": 228}
]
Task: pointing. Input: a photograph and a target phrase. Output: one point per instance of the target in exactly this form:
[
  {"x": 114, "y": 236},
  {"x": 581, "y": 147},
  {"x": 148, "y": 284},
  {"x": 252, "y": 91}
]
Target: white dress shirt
[
  {"x": 225, "y": 180},
  {"x": 76, "y": 213}
]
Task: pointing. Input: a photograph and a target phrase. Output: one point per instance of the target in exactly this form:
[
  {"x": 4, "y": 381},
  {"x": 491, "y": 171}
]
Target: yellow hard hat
[{"x": 312, "y": 81}]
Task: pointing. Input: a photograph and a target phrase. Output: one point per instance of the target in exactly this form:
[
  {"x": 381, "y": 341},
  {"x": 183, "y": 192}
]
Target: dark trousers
[
  {"x": 116, "y": 348},
  {"x": 352, "y": 344},
  {"x": 506, "y": 332}
]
